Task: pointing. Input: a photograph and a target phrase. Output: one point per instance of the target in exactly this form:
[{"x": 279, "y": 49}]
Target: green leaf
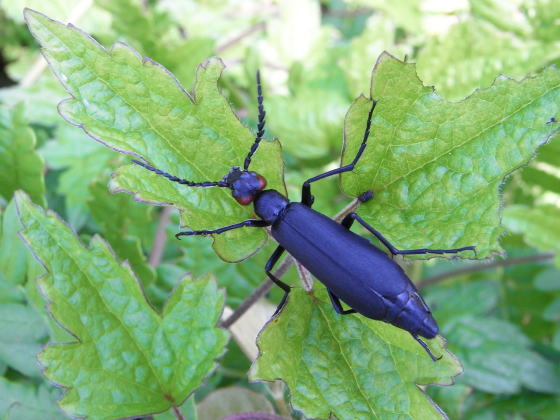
[
  {"x": 151, "y": 32},
  {"x": 22, "y": 167},
  {"x": 539, "y": 226},
  {"x": 22, "y": 333},
  {"x": 552, "y": 311},
  {"x": 544, "y": 20},
  {"x": 436, "y": 166},
  {"x": 497, "y": 357},
  {"x": 116, "y": 215},
  {"x": 350, "y": 366},
  {"x": 228, "y": 401},
  {"x": 84, "y": 160},
  {"x": 473, "y": 53},
  {"x": 321, "y": 91},
  {"x": 406, "y": 13},
  {"x": 19, "y": 401},
  {"x": 135, "y": 106},
  {"x": 13, "y": 255},
  {"x": 127, "y": 360},
  {"x": 503, "y": 15},
  {"x": 548, "y": 279},
  {"x": 379, "y": 35}
]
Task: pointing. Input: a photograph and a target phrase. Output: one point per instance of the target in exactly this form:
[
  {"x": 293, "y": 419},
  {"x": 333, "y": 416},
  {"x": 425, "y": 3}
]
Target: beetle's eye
[
  {"x": 244, "y": 199},
  {"x": 262, "y": 182}
]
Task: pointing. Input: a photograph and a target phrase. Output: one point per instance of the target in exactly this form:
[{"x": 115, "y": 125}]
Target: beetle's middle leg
[
  {"x": 268, "y": 269},
  {"x": 306, "y": 196},
  {"x": 348, "y": 220}
]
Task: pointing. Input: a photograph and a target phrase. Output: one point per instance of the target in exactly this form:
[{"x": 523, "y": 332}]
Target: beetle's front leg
[{"x": 246, "y": 223}]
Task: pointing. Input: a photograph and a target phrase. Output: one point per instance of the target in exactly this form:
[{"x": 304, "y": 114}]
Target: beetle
[{"x": 353, "y": 270}]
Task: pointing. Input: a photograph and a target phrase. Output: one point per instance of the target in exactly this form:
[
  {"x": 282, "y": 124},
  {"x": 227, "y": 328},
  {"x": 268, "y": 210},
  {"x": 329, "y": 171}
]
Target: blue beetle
[{"x": 354, "y": 271}]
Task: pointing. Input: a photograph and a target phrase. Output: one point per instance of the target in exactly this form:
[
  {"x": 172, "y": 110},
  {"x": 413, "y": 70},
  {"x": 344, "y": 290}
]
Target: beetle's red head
[{"x": 245, "y": 185}]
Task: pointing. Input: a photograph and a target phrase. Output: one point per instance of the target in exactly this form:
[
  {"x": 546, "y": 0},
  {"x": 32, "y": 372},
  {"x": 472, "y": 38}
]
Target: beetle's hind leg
[
  {"x": 348, "y": 220},
  {"x": 306, "y": 196},
  {"x": 425, "y": 346},
  {"x": 268, "y": 269},
  {"x": 338, "y": 306}
]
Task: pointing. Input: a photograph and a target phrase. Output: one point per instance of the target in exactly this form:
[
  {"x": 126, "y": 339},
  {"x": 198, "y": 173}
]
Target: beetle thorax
[{"x": 269, "y": 205}]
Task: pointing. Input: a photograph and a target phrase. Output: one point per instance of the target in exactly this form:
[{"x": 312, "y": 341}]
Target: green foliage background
[{"x": 140, "y": 337}]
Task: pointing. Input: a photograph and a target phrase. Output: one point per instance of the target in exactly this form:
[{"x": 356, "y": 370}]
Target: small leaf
[
  {"x": 84, "y": 160},
  {"x": 436, "y": 166},
  {"x": 13, "y": 255},
  {"x": 135, "y": 106},
  {"x": 127, "y": 360},
  {"x": 115, "y": 214},
  {"x": 22, "y": 167},
  {"x": 19, "y": 401},
  {"x": 151, "y": 31},
  {"x": 22, "y": 332},
  {"x": 497, "y": 357},
  {"x": 350, "y": 366},
  {"x": 539, "y": 226},
  {"x": 226, "y": 402},
  {"x": 448, "y": 62}
]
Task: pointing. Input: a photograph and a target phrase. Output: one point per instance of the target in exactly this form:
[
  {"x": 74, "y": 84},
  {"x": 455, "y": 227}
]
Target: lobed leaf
[
  {"x": 135, "y": 106},
  {"x": 150, "y": 30},
  {"x": 13, "y": 256},
  {"x": 22, "y": 333},
  {"x": 127, "y": 359},
  {"x": 83, "y": 161},
  {"x": 436, "y": 166},
  {"x": 497, "y": 356},
  {"x": 539, "y": 226},
  {"x": 21, "y": 401},
  {"x": 117, "y": 217},
  {"x": 448, "y": 61},
  {"x": 22, "y": 167},
  {"x": 349, "y": 366}
]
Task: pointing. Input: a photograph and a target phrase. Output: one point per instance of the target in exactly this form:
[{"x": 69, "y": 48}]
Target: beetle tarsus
[
  {"x": 338, "y": 306},
  {"x": 365, "y": 196},
  {"x": 425, "y": 346}
]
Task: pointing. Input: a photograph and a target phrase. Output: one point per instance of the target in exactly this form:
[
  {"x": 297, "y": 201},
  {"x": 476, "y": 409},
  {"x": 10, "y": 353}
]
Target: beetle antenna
[
  {"x": 260, "y": 125},
  {"x": 182, "y": 181},
  {"x": 425, "y": 346}
]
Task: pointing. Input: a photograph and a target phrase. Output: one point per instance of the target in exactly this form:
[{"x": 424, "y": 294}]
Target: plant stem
[
  {"x": 160, "y": 238},
  {"x": 178, "y": 413},
  {"x": 486, "y": 266},
  {"x": 259, "y": 292},
  {"x": 247, "y": 32},
  {"x": 254, "y": 415}
]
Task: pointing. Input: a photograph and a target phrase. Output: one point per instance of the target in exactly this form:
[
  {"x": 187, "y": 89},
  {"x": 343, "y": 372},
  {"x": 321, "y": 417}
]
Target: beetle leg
[
  {"x": 248, "y": 223},
  {"x": 268, "y": 269},
  {"x": 306, "y": 196},
  {"x": 395, "y": 251},
  {"x": 425, "y": 346},
  {"x": 338, "y": 306}
]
